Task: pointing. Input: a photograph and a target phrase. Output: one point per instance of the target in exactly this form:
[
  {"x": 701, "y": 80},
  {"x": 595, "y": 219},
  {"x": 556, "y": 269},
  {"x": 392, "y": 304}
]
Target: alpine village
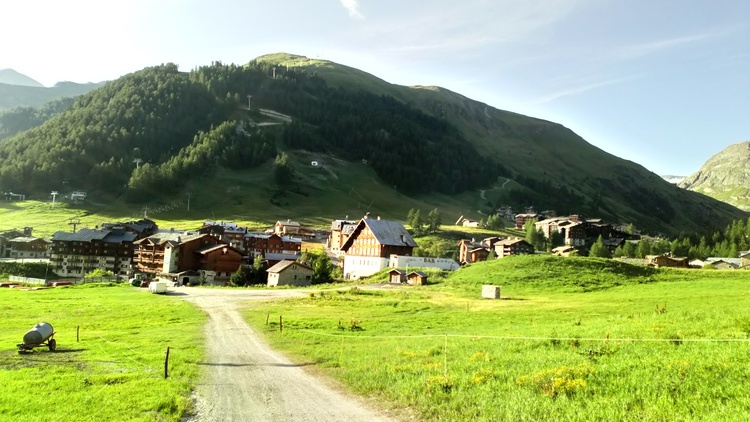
[{"x": 441, "y": 258}]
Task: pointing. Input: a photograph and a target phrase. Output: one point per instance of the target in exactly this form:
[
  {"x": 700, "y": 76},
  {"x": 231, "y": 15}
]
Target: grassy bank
[
  {"x": 581, "y": 340},
  {"x": 116, "y": 369}
]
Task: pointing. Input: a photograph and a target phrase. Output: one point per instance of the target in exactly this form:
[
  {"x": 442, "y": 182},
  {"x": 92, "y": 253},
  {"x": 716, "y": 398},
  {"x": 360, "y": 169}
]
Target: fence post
[
  {"x": 267, "y": 316},
  {"x": 445, "y": 356},
  {"x": 281, "y": 324},
  {"x": 166, "y": 364},
  {"x": 78, "y": 330}
]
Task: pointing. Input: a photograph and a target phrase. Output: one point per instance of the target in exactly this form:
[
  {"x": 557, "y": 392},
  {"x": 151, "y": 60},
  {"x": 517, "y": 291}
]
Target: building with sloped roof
[
  {"x": 170, "y": 252},
  {"x": 289, "y": 273},
  {"x": 25, "y": 247},
  {"x": 373, "y": 241},
  {"x": 75, "y": 254},
  {"x": 220, "y": 260},
  {"x": 340, "y": 232}
]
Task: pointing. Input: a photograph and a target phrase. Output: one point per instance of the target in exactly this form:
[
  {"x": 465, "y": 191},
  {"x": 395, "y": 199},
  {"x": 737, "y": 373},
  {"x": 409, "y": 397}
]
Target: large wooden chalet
[
  {"x": 371, "y": 244},
  {"x": 171, "y": 252}
]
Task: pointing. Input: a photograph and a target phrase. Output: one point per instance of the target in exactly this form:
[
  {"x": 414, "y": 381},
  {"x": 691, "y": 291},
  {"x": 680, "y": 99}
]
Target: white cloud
[
  {"x": 645, "y": 49},
  {"x": 581, "y": 89},
  {"x": 352, "y": 7}
]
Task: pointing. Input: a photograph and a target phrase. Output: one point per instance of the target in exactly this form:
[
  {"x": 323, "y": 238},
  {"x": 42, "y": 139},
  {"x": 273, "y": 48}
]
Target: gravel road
[{"x": 245, "y": 380}]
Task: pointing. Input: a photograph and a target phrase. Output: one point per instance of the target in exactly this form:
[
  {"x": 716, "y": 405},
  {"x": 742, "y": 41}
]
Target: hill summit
[
  {"x": 11, "y": 77},
  {"x": 725, "y": 176}
]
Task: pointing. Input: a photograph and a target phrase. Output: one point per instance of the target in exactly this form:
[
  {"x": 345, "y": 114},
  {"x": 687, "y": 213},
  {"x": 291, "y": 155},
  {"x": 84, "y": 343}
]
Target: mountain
[
  {"x": 11, "y": 77},
  {"x": 157, "y": 134},
  {"x": 12, "y": 95},
  {"x": 725, "y": 176}
]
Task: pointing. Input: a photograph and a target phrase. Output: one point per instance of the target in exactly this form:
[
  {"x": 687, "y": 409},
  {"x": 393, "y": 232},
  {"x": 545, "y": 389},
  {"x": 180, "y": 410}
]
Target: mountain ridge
[
  {"x": 12, "y": 77},
  {"x": 725, "y": 176},
  {"x": 420, "y": 141}
]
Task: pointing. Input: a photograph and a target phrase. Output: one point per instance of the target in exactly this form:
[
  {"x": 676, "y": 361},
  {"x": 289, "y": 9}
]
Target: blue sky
[{"x": 662, "y": 83}]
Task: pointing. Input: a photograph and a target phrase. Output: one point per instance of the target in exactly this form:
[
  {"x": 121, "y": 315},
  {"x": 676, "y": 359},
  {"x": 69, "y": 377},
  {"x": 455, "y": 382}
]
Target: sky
[{"x": 662, "y": 83}]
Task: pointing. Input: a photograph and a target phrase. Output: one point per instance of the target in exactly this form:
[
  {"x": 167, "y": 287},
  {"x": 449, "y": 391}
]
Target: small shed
[
  {"x": 416, "y": 278},
  {"x": 397, "y": 276}
]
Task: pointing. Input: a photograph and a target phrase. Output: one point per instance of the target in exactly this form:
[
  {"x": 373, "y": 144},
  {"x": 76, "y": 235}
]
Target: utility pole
[
  {"x": 74, "y": 223},
  {"x": 189, "y": 194}
]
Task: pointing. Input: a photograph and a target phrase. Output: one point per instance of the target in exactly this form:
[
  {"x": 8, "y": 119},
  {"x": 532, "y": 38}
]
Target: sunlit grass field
[
  {"x": 116, "y": 369},
  {"x": 578, "y": 339}
]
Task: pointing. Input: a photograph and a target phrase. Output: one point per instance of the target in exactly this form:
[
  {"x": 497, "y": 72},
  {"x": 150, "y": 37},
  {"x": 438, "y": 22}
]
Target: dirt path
[{"x": 247, "y": 381}]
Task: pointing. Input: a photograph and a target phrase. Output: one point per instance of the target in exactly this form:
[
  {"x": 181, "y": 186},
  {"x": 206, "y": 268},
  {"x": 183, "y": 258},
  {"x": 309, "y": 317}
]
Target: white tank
[{"x": 39, "y": 334}]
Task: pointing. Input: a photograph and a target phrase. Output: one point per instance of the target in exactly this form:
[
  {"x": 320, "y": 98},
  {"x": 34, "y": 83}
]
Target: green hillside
[
  {"x": 152, "y": 137},
  {"x": 725, "y": 176}
]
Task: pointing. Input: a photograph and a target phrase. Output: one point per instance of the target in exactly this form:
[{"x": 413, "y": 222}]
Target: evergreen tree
[
  {"x": 533, "y": 236},
  {"x": 434, "y": 221},
  {"x": 494, "y": 222},
  {"x": 241, "y": 276},
  {"x": 282, "y": 171},
  {"x": 598, "y": 250}
]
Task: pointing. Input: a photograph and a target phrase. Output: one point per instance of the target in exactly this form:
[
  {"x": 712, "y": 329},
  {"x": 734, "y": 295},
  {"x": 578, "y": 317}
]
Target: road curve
[{"x": 245, "y": 380}]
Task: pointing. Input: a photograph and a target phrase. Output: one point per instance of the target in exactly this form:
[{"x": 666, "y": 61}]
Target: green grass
[
  {"x": 551, "y": 349},
  {"x": 115, "y": 371}
]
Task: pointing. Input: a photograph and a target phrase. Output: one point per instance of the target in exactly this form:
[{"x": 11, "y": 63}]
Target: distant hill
[
  {"x": 725, "y": 176},
  {"x": 12, "y": 96},
  {"x": 11, "y": 77},
  {"x": 157, "y": 134}
]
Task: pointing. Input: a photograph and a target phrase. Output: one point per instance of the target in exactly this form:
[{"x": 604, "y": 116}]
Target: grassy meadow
[
  {"x": 570, "y": 339},
  {"x": 115, "y": 371}
]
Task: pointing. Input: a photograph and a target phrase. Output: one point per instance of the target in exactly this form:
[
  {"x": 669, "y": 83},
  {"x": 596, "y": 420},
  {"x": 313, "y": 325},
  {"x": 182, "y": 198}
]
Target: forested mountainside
[
  {"x": 725, "y": 176},
  {"x": 19, "y": 119},
  {"x": 154, "y": 130}
]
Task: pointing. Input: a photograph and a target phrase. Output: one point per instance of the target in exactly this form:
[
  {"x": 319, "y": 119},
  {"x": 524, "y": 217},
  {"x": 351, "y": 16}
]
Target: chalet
[
  {"x": 287, "y": 227},
  {"x": 470, "y": 251},
  {"x": 397, "y": 276},
  {"x": 724, "y": 263},
  {"x": 515, "y": 246},
  {"x": 416, "y": 278},
  {"x": 29, "y": 247},
  {"x": 221, "y": 259},
  {"x": 229, "y": 233},
  {"x": 467, "y": 222},
  {"x": 371, "y": 244},
  {"x": 289, "y": 273},
  {"x": 660, "y": 261},
  {"x": 263, "y": 245},
  {"x": 340, "y": 232},
  {"x": 7, "y": 236},
  {"x": 75, "y": 254},
  {"x": 171, "y": 252},
  {"x": 745, "y": 259},
  {"x": 613, "y": 243}
]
